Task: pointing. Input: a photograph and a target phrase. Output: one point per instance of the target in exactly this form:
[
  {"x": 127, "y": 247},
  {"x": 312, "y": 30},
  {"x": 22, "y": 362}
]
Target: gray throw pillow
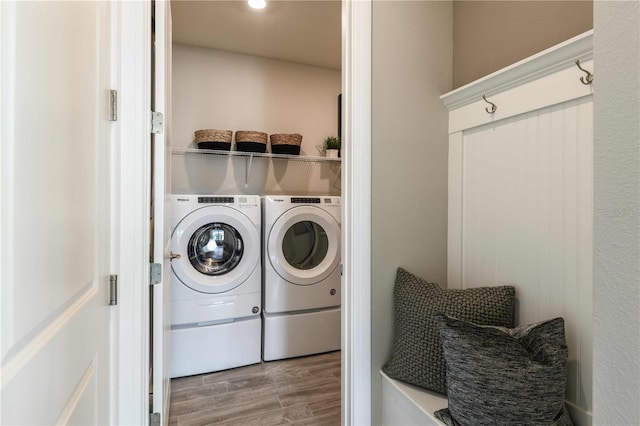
[
  {"x": 416, "y": 356},
  {"x": 500, "y": 376}
]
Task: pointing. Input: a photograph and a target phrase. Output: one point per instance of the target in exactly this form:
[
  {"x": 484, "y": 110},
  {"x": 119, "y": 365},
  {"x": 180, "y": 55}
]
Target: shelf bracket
[
  {"x": 337, "y": 175},
  {"x": 247, "y": 169}
]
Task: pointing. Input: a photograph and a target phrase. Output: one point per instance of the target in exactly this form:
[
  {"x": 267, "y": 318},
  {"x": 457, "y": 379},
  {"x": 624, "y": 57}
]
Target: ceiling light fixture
[{"x": 257, "y": 4}]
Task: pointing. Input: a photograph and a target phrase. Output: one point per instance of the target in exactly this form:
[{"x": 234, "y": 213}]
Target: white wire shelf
[
  {"x": 249, "y": 156},
  {"x": 317, "y": 159}
]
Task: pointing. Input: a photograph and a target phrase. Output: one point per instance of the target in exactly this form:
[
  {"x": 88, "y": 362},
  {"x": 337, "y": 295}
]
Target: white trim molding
[
  {"x": 132, "y": 194},
  {"x": 527, "y": 81},
  {"x": 356, "y": 193}
]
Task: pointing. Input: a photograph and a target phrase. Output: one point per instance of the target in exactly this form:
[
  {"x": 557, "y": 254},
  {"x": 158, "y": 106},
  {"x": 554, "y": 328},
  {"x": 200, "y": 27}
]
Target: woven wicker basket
[
  {"x": 214, "y": 139},
  {"x": 286, "y": 143},
  {"x": 251, "y": 141}
]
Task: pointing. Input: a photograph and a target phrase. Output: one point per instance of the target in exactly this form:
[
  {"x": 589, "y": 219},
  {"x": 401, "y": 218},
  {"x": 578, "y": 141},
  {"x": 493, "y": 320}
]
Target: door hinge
[
  {"x": 154, "y": 419},
  {"x": 113, "y": 289},
  {"x": 113, "y": 105},
  {"x": 157, "y": 122},
  {"x": 155, "y": 273}
]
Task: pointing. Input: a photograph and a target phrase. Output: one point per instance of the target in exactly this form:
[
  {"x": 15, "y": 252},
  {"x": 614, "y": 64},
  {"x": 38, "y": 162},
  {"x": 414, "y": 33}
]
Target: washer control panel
[
  {"x": 216, "y": 200},
  {"x": 239, "y": 201},
  {"x": 305, "y": 200}
]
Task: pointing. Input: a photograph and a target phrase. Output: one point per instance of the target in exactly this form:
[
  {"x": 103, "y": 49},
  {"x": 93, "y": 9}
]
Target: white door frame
[
  {"x": 133, "y": 212},
  {"x": 160, "y": 292},
  {"x": 356, "y": 215}
]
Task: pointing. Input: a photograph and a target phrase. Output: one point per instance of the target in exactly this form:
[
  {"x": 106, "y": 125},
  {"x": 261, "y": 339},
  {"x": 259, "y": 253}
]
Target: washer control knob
[
  {"x": 333, "y": 292},
  {"x": 255, "y": 310}
]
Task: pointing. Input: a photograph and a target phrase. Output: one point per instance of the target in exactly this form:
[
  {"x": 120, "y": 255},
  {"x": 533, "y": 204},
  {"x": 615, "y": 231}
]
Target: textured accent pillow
[
  {"x": 500, "y": 376},
  {"x": 416, "y": 356}
]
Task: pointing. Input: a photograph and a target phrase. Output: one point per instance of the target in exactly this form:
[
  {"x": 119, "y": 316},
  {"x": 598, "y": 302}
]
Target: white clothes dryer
[
  {"x": 216, "y": 282},
  {"x": 302, "y": 280}
]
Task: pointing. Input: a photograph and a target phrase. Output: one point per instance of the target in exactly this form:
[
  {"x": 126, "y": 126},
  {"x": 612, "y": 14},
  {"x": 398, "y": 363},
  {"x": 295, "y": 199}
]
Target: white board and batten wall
[
  {"x": 521, "y": 195},
  {"x": 225, "y": 90}
]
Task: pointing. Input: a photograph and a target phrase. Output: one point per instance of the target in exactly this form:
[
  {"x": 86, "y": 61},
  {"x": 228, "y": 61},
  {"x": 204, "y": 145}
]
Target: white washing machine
[
  {"x": 216, "y": 295},
  {"x": 302, "y": 280}
]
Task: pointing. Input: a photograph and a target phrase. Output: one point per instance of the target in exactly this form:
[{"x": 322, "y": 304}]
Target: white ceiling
[{"x": 302, "y": 31}]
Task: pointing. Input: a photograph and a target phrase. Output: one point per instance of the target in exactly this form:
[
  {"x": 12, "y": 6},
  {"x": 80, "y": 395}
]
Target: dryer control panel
[{"x": 315, "y": 200}]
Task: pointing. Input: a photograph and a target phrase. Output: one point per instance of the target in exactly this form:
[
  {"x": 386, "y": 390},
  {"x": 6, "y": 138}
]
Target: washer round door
[
  {"x": 304, "y": 245},
  {"x": 219, "y": 248}
]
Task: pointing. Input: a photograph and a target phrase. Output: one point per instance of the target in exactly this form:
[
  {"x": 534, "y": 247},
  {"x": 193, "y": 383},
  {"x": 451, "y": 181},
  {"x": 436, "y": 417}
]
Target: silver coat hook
[
  {"x": 492, "y": 109},
  {"x": 585, "y": 80}
]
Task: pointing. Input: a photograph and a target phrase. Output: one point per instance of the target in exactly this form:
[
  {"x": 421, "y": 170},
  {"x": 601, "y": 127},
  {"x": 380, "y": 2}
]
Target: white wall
[
  {"x": 223, "y": 90},
  {"x": 617, "y": 213},
  {"x": 411, "y": 68}
]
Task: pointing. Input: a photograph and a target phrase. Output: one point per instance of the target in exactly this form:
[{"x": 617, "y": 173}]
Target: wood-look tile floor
[{"x": 298, "y": 391}]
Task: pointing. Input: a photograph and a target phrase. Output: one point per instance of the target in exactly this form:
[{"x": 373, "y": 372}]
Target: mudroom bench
[{"x": 404, "y": 404}]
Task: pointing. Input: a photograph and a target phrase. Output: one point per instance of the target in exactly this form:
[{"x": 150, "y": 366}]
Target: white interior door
[
  {"x": 161, "y": 347},
  {"x": 55, "y": 218}
]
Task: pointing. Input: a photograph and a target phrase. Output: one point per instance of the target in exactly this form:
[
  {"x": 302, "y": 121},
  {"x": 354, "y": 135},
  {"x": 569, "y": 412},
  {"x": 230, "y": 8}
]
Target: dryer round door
[
  {"x": 304, "y": 245},
  {"x": 219, "y": 248}
]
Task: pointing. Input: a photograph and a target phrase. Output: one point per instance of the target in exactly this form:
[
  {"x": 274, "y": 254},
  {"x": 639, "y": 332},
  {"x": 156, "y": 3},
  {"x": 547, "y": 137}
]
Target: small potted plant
[{"x": 331, "y": 147}]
